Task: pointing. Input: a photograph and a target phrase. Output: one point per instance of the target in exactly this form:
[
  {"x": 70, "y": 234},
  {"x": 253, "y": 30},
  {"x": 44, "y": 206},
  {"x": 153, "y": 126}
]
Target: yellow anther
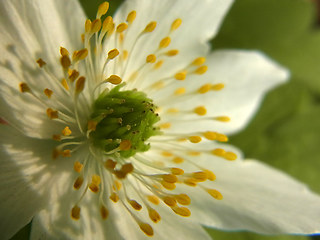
[
  {"x": 96, "y": 179},
  {"x": 110, "y": 164},
  {"x": 104, "y": 212},
  {"x": 56, "y": 137},
  {"x": 64, "y": 51},
  {"x": 78, "y": 183},
  {"x": 154, "y": 215},
  {"x": 165, "y": 125},
  {"x": 151, "y": 58},
  {"x": 181, "y": 75},
  {"x": 87, "y": 26},
  {"x": 158, "y": 64},
  {"x": 218, "y": 152},
  {"x": 166, "y": 154},
  {"x": 222, "y": 138},
  {"x": 201, "y": 70},
  {"x": 146, "y": 228},
  {"x": 135, "y": 205},
  {"x": 52, "y": 114},
  {"x": 24, "y": 87},
  {"x": 73, "y": 75},
  {"x": 199, "y": 61},
  {"x": 131, "y": 17},
  {"x": 194, "y": 153},
  {"x": 210, "y": 174},
  {"x": 120, "y": 174},
  {"x": 178, "y": 160},
  {"x": 48, "y": 92},
  {"x": 94, "y": 187},
  {"x": 66, "y": 153},
  {"x": 231, "y": 156},
  {"x": 183, "y": 199},
  {"x": 113, "y": 53},
  {"x": 180, "y": 91},
  {"x": 102, "y": 9},
  {"x": 182, "y": 211},
  {"x": 170, "y": 178},
  {"x": 75, "y": 212},
  {"x": 77, "y": 166},
  {"x": 114, "y": 197},
  {"x": 190, "y": 182},
  {"x": 222, "y": 119},
  {"x": 107, "y": 24},
  {"x": 125, "y": 145},
  {"x": 66, "y": 131},
  {"x": 200, "y": 176},
  {"x": 80, "y": 55},
  {"x": 92, "y": 125},
  {"x": 217, "y": 87},
  {"x": 215, "y": 193},
  {"x": 170, "y": 201},
  {"x": 172, "y": 53},
  {"x": 41, "y": 63},
  {"x": 210, "y": 135},
  {"x": 165, "y": 42},
  {"x": 114, "y": 79},
  {"x": 65, "y": 62},
  {"x": 155, "y": 200},
  {"x": 65, "y": 84},
  {"x": 122, "y": 27},
  {"x": 127, "y": 168},
  {"x": 116, "y": 185},
  {"x": 201, "y": 110},
  {"x": 177, "y": 171},
  {"x": 168, "y": 186},
  {"x": 80, "y": 84},
  {"x": 172, "y": 110},
  {"x": 150, "y": 27},
  {"x": 96, "y": 26},
  {"x": 205, "y": 88},
  {"x": 176, "y": 24},
  {"x": 195, "y": 139}
]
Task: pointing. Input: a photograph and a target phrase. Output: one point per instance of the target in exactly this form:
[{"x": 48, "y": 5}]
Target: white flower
[{"x": 120, "y": 135}]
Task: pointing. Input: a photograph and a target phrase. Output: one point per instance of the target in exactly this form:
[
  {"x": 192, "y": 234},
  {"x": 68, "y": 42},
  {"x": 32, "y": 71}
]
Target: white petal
[
  {"x": 247, "y": 76},
  {"x": 257, "y": 198}
]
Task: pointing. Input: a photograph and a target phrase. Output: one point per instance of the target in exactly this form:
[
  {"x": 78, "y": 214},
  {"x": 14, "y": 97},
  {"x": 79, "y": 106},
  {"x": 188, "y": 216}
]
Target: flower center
[{"x": 122, "y": 121}]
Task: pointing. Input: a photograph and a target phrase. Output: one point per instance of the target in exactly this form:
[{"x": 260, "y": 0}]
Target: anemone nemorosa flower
[{"x": 115, "y": 128}]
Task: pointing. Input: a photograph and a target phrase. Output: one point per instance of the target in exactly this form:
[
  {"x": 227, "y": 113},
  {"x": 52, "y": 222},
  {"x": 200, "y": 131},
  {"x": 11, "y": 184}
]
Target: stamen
[
  {"x": 150, "y": 27},
  {"x": 87, "y": 26},
  {"x": 201, "y": 110},
  {"x": 182, "y": 211},
  {"x": 183, "y": 199},
  {"x": 80, "y": 55},
  {"x": 222, "y": 119},
  {"x": 195, "y": 139},
  {"x": 176, "y": 24},
  {"x": 41, "y": 63},
  {"x": 80, "y": 84},
  {"x": 114, "y": 79},
  {"x": 215, "y": 194},
  {"x": 131, "y": 17},
  {"x": 104, "y": 212},
  {"x": 165, "y": 42},
  {"x": 64, "y": 51},
  {"x": 122, "y": 27},
  {"x": 201, "y": 70},
  {"x": 181, "y": 75},
  {"x": 151, "y": 58},
  {"x": 172, "y": 53},
  {"x": 180, "y": 91},
  {"x": 177, "y": 171},
  {"x": 102, "y": 9},
  {"x": 48, "y": 92},
  {"x": 199, "y": 61},
  {"x": 75, "y": 212},
  {"x": 146, "y": 228},
  {"x": 96, "y": 26},
  {"x": 154, "y": 215},
  {"x": 155, "y": 200},
  {"x": 114, "y": 197},
  {"x": 135, "y": 205},
  {"x": 113, "y": 53},
  {"x": 231, "y": 156},
  {"x": 110, "y": 164},
  {"x": 24, "y": 87},
  {"x": 52, "y": 114},
  {"x": 66, "y": 131},
  {"x": 65, "y": 62},
  {"x": 78, "y": 183},
  {"x": 65, "y": 84},
  {"x": 77, "y": 166}
]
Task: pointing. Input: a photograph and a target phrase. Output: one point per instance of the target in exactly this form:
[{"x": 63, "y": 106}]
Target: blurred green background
[{"x": 285, "y": 131}]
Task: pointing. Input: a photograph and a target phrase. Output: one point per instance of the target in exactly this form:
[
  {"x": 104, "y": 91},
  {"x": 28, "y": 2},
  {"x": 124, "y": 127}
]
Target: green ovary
[{"x": 123, "y": 115}]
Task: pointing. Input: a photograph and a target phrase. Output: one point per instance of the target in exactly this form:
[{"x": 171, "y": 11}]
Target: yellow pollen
[
  {"x": 165, "y": 125},
  {"x": 195, "y": 139},
  {"x": 125, "y": 145},
  {"x": 107, "y": 24},
  {"x": 77, "y": 166},
  {"x": 96, "y": 26},
  {"x": 52, "y": 114},
  {"x": 222, "y": 119},
  {"x": 92, "y": 125},
  {"x": 122, "y": 27},
  {"x": 127, "y": 168},
  {"x": 190, "y": 182},
  {"x": 158, "y": 64},
  {"x": 110, "y": 164},
  {"x": 215, "y": 194},
  {"x": 199, "y": 61},
  {"x": 56, "y": 137},
  {"x": 73, "y": 75},
  {"x": 222, "y": 138},
  {"x": 210, "y": 135},
  {"x": 155, "y": 200},
  {"x": 217, "y": 87},
  {"x": 116, "y": 185},
  {"x": 182, "y": 211},
  {"x": 65, "y": 62},
  {"x": 131, "y": 17},
  {"x": 231, "y": 156},
  {"x": 218, "y": 152},
  {"x": 96, "y": 179},
  {"x": 201, "y": 111},
  {"x": 102, "y": 9},
  {"x": 178, "y": 160},
  {"x": 170, "y": 178},
  {"x": 201, "y": 70},
  {"x": 94, "y": 187},
  {"x": 146, "y": 228},
  {"x": 205, "y": 88},
  {"x": 75, "y": 212},
  {"x": 166, "y": 154},
  {"x": 176, "y": 24},
  {"x": 177, "y": 171},
  {"x": 87, "y": 26},
  {"x": 114, "y": 197},
  {"x": 181, "y": 75},
  {"x": 78, "y": 183},
  {"x": 200, "y": 176},
  {"x": 183, "y": 199},
  {"x": 66, "y": 131},
  {"x": 151, "y": 58},
  {"x": 172, "y": 53},
  {"x": 135, "y": 205},
  {"x": 165, "y": 42},
  {"x": 170, "y": 201},
  {"x": 114, "y": 79},
  {"x": 210, "y": 174},
  {"x": 80, "y": 84},
  {"x": 48, "y": 92},
  {"x": 80, "y": 55},
  {"x": 150, "y": 27},
  {"x": 64, "y": 51},
  {"x": 154, "y": 215},
  {"x": 66, "y": 153},
  {"x": 65, "y": 84},
  {"x": 41, "y": 63},
  {"x": 24, "y": 87},
  {"x": 120, "y": 174},
  {"x": 180, "y": 91},
  {"x": 113, "y": 53},
  {"x": 168, "y": 186},
  {"x": 104, "y": 212}
]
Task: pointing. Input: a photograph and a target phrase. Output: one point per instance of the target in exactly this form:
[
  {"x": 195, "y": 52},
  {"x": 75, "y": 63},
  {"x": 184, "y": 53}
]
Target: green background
[{"x": 285, "y": 131}]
